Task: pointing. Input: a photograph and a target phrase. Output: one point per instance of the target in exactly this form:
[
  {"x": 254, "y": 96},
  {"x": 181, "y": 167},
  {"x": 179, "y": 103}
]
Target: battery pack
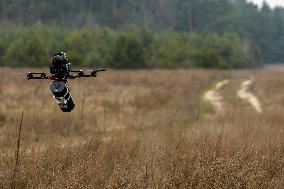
[{"x": 62, "y": 95}]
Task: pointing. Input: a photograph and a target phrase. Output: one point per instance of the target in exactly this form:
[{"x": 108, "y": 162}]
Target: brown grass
[{"x": 143, "y": 129}]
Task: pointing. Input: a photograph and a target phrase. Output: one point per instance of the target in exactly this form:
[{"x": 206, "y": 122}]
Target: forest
[{"x": 142, "y": 34}]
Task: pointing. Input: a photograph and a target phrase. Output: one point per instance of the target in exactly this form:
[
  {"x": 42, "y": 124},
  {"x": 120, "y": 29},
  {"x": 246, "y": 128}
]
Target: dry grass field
[{"x": 144, "y": 129}]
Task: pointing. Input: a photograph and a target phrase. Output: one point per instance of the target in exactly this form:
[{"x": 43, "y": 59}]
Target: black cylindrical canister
[{"x": 62, "y": 95}]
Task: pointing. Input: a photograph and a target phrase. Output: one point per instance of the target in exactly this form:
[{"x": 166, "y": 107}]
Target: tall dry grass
[{"x": 143, "y": 129}]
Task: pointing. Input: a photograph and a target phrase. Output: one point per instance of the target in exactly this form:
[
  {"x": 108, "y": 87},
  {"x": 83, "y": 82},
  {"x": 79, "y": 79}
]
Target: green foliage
[
  {"x": 89, "y": 47},
  {"x": 227, "y": 51},
  {"x": 262, "y": 26},
  {"x": 206, "y": 50},
  {"x": 127, "y": 53},
  {"x": 174, "y": 52},
  {"x": 28, "y": 50},
  {"x": 130, "y": 48}
]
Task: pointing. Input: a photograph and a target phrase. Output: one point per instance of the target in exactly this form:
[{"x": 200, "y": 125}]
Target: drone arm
[
  {"x": 31, "y": 75},
  {"x": 30, "y": 78},
  {"x": 80, "y": 74}
]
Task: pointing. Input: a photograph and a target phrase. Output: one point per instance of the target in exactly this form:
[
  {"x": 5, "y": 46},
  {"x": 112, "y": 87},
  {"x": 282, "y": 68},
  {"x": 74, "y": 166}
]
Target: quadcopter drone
[{"x": 60, "y": 72}]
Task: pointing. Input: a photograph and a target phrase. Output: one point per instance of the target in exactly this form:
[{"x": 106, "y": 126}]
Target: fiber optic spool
[{"x": 62, "y": 95}]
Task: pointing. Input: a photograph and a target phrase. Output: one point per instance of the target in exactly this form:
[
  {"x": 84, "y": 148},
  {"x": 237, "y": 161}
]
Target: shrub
[{"x": 127, "y": 53}]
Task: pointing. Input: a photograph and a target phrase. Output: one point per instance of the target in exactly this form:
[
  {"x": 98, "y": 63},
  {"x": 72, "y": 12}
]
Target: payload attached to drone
[{"x": 60, "y": 72}]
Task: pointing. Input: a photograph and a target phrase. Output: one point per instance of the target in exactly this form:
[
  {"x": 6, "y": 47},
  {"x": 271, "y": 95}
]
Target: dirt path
[
  {"x": 215, "y": 98},
  {"x": 246, "y": 94}
]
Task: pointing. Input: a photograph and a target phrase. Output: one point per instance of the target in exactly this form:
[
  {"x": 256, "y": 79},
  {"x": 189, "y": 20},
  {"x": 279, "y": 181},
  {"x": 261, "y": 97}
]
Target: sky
[{"x": 272, "y": 3}]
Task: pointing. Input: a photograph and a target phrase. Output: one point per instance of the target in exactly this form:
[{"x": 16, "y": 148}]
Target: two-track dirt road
[
  {"x": 246, "y": 94},
  {"x": 216, "y": 99}
]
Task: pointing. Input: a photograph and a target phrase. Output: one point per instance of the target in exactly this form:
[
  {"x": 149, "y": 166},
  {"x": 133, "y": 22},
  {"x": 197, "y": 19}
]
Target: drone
[{"x": 60, "y": 72}]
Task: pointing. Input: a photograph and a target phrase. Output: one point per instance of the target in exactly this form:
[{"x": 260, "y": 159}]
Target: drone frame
[
  {"x": 80, "y": 74},
  {"x": 59, "y": 87}
]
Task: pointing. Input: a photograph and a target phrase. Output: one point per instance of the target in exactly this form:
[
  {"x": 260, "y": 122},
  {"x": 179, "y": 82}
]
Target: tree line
[
  {"x": 261, "y": 27},
  {"x": 131, "y": 48}
]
